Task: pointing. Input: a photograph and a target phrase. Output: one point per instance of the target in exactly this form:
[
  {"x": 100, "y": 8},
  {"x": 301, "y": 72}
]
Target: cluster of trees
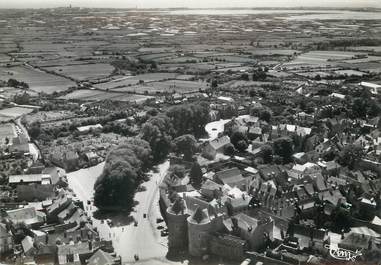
[
  {"x": 22, "y": 99},
  {"x": 189, "y": 118},
  {"x": 17, "y": 84},
  {"x": 350, "y": 155},
  {"x": 284, "y": 148},
  {"x": 259, "y": 75},
  {"x": 135, "y": 66},
  {"x": 180, "y": 121},
  {"x": 158, "y": 132},
  {"x": 124, "y": 171},
  {"x": 239, "y": 141},
  {"x": 185, "y": 145}
]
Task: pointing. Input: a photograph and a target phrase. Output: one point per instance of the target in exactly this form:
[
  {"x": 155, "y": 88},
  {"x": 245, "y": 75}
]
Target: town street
[{"x": 128, "y": 240}]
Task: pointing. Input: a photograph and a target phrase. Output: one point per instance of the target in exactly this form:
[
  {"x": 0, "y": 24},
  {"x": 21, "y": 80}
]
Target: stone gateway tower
[
  {"x": 199, "y": 226},
  {"x": 177, "y": 226}
]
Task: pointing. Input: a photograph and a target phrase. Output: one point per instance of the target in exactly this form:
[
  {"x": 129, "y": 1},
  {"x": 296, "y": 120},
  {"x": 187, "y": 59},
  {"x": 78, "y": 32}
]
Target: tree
[
  {"x": 265, "y": 115},
  {"x": 245, "y": 77},
  {"x": 189, "y": 118},
  {"x": 22, "y": 99},
  {"x": 214, "y": 83},
  {"x": 284, "y": 148},
  {"x": 242, "y": 145},
  {"x": 157, "y": 132},
  {"x": 267, "y": 153},
  {"x": 115, "y": 188},
  {"x": 259, "y": 75},
  {"x": 196, "y": 175},
  {"x": 186, "y": 145},
  {"x": 350, "y": 155},
  {"x": 239, "y": 140},
  {"x": 123, "y": 172},
  {"x": 35, "y": 130},
  {"x": 229, "y": 149}
]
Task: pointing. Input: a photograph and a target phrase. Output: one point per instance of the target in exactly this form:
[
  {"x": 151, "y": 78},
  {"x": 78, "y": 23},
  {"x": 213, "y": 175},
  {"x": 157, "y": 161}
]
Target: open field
[
  {"x": 38, "y": 81},
  {"x": 133, "y": 80},
  {"x": 94, "y": 95},
  {"x": 7, "y": 130},
  {"x": 84, "y": 71},
  {"x": 171, "y": 86},
  {"x": 14, "y": 112},
  {"x": 10, "y": 92},
  {"x": 48, "y": 116}
]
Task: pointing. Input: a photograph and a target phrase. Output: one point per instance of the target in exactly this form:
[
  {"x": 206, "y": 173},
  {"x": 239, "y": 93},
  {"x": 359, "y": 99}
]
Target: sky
[{"x": 187, "y": 3}]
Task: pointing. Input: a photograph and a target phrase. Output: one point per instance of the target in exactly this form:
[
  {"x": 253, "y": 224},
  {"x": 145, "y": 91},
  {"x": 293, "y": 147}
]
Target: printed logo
[{"x": 343, "y": 254}]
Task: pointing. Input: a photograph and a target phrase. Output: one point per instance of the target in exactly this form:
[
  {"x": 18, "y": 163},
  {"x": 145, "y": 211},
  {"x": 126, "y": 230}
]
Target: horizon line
[{"x": 200, "y": 8}]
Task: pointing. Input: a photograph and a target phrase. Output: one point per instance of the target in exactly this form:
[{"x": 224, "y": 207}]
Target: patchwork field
[{"x": 38, "y": 81}]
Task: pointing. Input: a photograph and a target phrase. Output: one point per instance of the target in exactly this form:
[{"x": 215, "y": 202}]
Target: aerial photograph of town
[{"x": 190, "y": 133}]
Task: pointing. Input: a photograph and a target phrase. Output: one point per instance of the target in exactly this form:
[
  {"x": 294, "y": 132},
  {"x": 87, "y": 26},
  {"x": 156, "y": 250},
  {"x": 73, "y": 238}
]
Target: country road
[{"x": 128, "y": 240}]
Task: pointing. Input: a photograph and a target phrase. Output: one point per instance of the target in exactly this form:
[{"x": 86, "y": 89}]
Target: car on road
[
  {"x": 109, "y": 222},
  {"x": 159, "y": 220},
  {"x": 136, "y": 223},
  {"x": 160, "y": 227},
  {"x": 144, "y": 215},
  {"x": 163, "y": 233}
]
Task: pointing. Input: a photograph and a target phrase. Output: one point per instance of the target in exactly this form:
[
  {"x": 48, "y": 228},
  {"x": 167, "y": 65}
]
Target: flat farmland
[
  {"x": 323, "y": 57},
  {"x": 156, "y": 56},
  {"x": 4, "y": 58},
  {"x": 350, "y": 72},
  {"x": 38, "y": 81},
  {"x": 365, "y": 60},
  {"x": 7, "y": 130},
  {"x": 180, "y": 86},
  {"x": 93, "y": 95},
  {"x": 81, "y": 94},
  {"x": 9, "y": 92},
  {"x": 14, "y": 112},
  {"x": 133, "y": 80},
  {"x": 170, "y": 86},
  {"x": 83, "y": 72}
]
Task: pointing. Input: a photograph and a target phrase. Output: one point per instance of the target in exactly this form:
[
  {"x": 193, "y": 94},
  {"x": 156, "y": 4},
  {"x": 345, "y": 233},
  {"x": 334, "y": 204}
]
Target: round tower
[
  {"x": 199, "y": 227},
  {"x": 177, "y": 226}
]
